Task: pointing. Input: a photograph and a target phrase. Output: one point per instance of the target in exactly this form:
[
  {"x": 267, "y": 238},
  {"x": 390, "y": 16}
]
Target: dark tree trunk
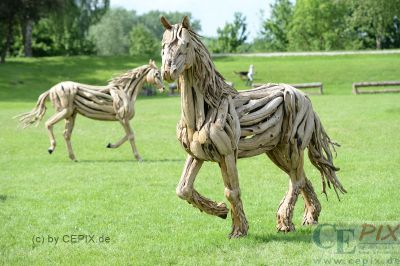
[
  {"x": 27, "y": 27},
  {"x": 3, "y": 56},
  {"x": 8, "y": 40}
]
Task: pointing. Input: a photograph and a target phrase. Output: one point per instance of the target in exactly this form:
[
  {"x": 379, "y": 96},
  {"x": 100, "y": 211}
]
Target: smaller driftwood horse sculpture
[
  {"x": 221, "y": 124},
  {"x": 114, "y": 102}
]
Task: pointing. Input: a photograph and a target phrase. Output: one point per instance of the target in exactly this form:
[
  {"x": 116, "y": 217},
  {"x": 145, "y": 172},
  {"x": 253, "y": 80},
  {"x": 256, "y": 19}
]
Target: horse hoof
[
  {"x": 50, "y": 151},
  {"x": 285, "y": 228},
  {"x": 108, "y": 145}
]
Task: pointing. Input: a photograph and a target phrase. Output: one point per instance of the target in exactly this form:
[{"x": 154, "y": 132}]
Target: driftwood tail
[
  {"x": 320, "y": 153},
  {"x": 36, "y": 115}
]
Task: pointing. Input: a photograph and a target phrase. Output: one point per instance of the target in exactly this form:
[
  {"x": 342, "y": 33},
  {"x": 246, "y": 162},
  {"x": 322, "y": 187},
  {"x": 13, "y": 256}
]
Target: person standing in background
[{"x": 250, "y": 74}]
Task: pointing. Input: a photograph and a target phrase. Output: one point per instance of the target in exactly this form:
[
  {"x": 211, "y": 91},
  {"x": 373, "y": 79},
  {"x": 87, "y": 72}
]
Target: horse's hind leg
[
  {"x": 232, "y": 193},
  {"x": 49, "y": 125},
  {"x": 118, "y": 143},
  {"x": 312, "y": 206},
  {"x": 294, "y": 168},
  {"x": 69, "y": 126}
]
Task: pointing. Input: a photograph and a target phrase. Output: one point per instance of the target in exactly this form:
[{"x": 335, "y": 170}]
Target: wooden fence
[
  {"x": 375, "y": 84},
  {"x": 303, "y": 86}
]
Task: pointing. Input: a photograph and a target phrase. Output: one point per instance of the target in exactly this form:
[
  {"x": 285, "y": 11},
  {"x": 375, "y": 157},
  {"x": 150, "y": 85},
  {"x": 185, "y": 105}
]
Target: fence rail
[
  {"x": 302, "y": 86},
  {"x": 358, "y": 85}
]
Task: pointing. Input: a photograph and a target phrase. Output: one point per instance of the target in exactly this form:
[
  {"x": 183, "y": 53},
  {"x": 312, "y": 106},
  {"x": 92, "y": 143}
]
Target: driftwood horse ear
[
  {"x": 186, "y": 22},
  {"x": 152, "y": 62},
  {"x": 165, "y": 23}
]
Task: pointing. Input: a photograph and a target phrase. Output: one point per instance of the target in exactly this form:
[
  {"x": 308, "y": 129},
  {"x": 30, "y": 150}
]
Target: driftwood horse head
[
  {"x": 220, "y": 124},
  {"x": 113, "y": 102}
]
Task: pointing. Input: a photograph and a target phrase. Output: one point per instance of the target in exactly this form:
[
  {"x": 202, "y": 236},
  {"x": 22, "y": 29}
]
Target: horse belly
[{"x": 97, "y": 116}]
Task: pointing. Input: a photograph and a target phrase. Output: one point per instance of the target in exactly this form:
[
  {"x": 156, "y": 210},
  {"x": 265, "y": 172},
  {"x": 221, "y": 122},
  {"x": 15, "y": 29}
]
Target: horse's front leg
[
  {"x": 185, "y": 190},
  {"x": 232, "y": 193},
  {"x": 131, "y": 137}
]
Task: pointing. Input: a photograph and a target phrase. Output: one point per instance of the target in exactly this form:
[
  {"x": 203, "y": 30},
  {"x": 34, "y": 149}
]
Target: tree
[
  {"x": 318, "y": 25},
  {"x": 26, "y": 12},
  {"x": 151, "y": 20},
  {"x": 69, "y": 29},
  {"x": 276, "y": 28},
  {"x": 8, "y": 12},
  {"x": 59, "y": 22},
  {"x": 232, "y": 35},
  {"x": 143, "y": 42},
  {"x": 392, "y": 39},
  {"x": 73, "y": 30},
  {"x": 111, "y": 34},
  {"x": 118, "y": 32},
  {"x": 371, "y": 17},
  {"x": 29, "y": 12}
]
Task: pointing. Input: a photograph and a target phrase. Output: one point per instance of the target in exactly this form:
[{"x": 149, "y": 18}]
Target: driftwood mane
[
  {"x": 207, "y": 79},
  {"x": 125, "y": 80},
  {"x": 214, "y": 86}
]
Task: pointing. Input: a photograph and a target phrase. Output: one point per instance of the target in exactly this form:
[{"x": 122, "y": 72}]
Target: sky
[{"x": 211, "y": 13}]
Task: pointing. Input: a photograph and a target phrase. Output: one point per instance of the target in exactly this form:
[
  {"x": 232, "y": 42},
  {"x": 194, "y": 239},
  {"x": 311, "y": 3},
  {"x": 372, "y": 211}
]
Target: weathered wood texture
[
  {"x": 113, "y": 102},
  {"x": 220, "y": 124},
  {"x": 303, "y": 86},
  {"x": 358, "y": 85}
]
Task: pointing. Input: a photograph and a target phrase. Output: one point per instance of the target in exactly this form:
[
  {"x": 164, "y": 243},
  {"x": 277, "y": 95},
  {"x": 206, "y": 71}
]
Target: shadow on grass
[
  {"x": 3, "y": 198},
  {"x": 132, "y": 161},
  {"x": 164, "y": 160},
  {"x": 298, "y": 236},
  {"x": 106, "y": 161}
]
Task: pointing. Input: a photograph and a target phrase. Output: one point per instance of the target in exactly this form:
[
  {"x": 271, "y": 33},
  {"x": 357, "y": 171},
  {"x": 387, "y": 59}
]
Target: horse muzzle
[
  {"x": 170, "y": 74},
  {"x": 160, "y": 87}
]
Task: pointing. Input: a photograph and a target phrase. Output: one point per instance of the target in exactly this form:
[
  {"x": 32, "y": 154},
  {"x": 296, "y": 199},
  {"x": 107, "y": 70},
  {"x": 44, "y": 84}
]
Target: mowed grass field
[{"x": 108, "y": 194}]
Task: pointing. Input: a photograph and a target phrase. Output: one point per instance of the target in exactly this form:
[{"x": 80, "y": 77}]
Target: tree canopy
[
  {"x": 73, "y": 27},
  {"x": 276, "y": 27},
  {"x": 232, "y": 35},
  {"x": 332, "y": 25},
  {"x": 111, "y": 34}
]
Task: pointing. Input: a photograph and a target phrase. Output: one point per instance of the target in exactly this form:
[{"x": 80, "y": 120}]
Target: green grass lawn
[{"x": 134, "y": 204}]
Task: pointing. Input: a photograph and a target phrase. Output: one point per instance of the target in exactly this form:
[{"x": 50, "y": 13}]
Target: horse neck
[
  {"x": 189, "y": 95},
  {"x": 202, "y": 88},
  {"x": 135, "y": 87},
  {"x": 194, "y": 105}
]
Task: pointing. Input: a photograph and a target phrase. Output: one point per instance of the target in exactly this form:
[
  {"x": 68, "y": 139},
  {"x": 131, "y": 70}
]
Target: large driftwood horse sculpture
[
  {"x": 114, "y": 102},
  {"x": 220, "y": 124}
]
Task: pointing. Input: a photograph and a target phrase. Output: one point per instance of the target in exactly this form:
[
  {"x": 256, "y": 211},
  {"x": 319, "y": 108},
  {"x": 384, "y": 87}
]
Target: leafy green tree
[
  {"x": 111, "y": 34},
  {"x": 69, "y": 29},
  {"x": 318, "y": 25},
  {"x": 48, "y": 27},
  {"x": 26, "y": 12},
  {"x": 232, "y": 35},
  {"x": 372, "y": 18},
  {"x": 8, "y": 13},
  {"x": 29, "y": 12},
  {"x": 276, "y": 28},
  {"x": 79, "y": 17},
  {"x": 151, "y": 20},
  {"x": 392, "y": 39},
  {"x": 143, "y": 42}
]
